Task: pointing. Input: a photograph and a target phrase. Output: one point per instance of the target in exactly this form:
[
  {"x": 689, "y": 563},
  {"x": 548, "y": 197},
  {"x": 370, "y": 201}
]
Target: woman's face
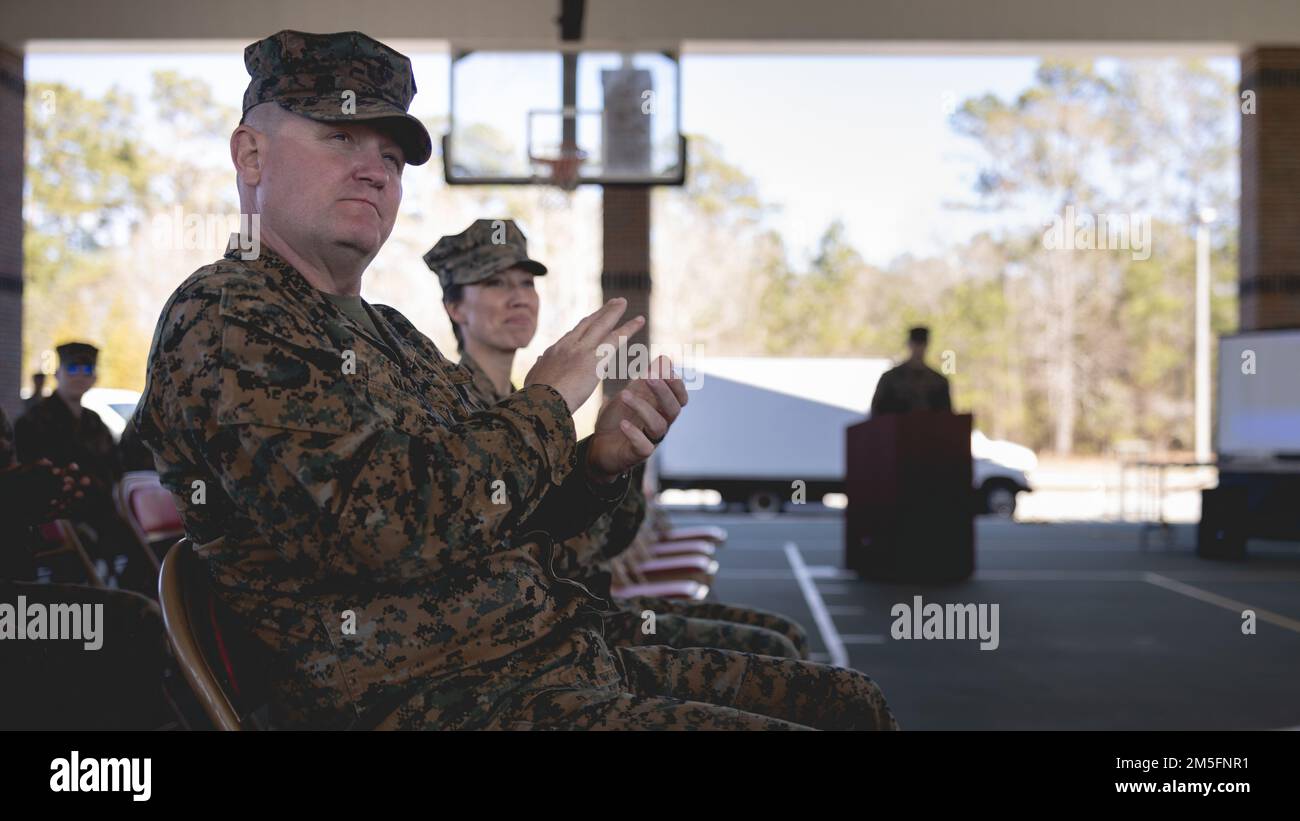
[{"x": 500, "y": 311}]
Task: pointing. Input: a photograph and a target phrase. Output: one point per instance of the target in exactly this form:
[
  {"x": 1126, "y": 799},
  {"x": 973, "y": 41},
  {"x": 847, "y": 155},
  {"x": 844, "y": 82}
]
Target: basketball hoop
[
  {"x": 583, "y": 120},
  {"x": 562, "y": 170}
]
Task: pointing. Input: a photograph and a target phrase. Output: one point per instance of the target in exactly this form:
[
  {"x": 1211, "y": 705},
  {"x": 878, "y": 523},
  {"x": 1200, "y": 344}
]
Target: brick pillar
[
  {"x": 1270, "y": 190},
  {"x": 12, "y": 86},
  {"x": 626, "y": 268}
]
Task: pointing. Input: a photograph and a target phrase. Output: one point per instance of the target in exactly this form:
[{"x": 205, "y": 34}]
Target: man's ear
[{"x": 246, "y": 153}]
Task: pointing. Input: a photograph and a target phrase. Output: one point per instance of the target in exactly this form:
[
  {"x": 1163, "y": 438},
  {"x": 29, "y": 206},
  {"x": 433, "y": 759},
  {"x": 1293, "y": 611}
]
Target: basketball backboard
[{"x": 564, "y": 118}]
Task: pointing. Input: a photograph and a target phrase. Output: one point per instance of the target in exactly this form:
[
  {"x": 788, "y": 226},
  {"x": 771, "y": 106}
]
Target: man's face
[
  {"x": 500, "y": 311},
  {"x": 325, "y": 185},
  {"x": 917, "y": 349},
  {"x": 75, "y": 378}
]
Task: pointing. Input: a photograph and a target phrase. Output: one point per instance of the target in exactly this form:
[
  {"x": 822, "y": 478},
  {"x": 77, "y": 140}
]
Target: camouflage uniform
[
  {"x": 703, "y": 688},
  {"x": 676, "y": 623},
  {"x": 485, "y": 248},
  {"x": 608, "y": 536},
  {"x": 489, "y": 247},
  {"x": 683, "y": 623},
  {"x": 348, "y": 482},
  {"x": 50, "y": 430},
  {"x": 481, "y": 384},
  {"x": 911, "y": 386},
  {"x": 332, "y": 488}
]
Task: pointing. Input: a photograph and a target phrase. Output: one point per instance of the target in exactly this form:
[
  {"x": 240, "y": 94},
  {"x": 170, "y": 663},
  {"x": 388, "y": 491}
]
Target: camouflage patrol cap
[
  {"x": 485, "y": 248},
  {"x": 310, "y": 74}
]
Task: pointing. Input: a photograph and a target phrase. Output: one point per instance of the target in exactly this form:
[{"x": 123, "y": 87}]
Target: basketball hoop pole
[
  {"x": 569, "y": 101},
  {"x": 625, "y": 210}
]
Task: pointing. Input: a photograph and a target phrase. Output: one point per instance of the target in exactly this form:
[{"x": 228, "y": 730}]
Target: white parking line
[
  {"x": 839, "y": 656},
  {"x": 1222, "y": 601}
]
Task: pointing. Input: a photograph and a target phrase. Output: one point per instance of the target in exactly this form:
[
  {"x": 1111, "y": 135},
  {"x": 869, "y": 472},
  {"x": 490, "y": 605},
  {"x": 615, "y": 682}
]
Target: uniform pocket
[
  {"x": 407, "y": 413},
  {"x": 266, "y": 380}
]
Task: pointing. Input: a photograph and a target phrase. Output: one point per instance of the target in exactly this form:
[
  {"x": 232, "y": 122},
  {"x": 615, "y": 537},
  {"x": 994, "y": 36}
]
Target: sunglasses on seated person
[{"x": 73, "y": 370}]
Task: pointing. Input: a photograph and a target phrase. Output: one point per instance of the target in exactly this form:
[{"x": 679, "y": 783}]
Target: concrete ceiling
[{"x": 701, "y": 25}]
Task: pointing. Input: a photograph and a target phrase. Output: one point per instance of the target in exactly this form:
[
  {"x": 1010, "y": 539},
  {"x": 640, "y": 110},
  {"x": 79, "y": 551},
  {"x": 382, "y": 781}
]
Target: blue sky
[
  {"x": 857, "y": 138},
  {"x": 861, "y": 139}
]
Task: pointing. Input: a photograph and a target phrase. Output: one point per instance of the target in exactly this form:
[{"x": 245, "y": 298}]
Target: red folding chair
[{"x": 149, "y": 509}]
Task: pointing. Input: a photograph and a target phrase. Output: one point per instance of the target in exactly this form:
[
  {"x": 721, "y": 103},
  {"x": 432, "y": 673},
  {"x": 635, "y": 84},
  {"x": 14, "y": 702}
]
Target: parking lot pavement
[{"x": 1093, "y": 631}]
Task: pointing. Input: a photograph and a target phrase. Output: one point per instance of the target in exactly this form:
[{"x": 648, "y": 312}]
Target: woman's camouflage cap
[
  {"x": 485, "y": 248},
  {"x": 309, "y": 74}
]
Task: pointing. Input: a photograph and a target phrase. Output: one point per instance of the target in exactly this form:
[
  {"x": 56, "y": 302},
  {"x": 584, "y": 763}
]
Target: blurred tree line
[
  {"x": 1059, "y": 350},
  {"x": 98, "y": 173},
  {"x": 1062, "y": 350}
]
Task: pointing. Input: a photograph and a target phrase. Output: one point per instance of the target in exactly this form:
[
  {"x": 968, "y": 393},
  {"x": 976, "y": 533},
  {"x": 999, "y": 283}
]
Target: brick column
[
  {"x": 12, "y": 86},
  {"x": 626, "y": 268},
  {"x": 1270, "y": 190}
]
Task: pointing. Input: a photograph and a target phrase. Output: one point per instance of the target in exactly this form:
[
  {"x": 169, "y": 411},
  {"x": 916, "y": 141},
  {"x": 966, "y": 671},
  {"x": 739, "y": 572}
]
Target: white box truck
[{"x": 756, "y": 426}]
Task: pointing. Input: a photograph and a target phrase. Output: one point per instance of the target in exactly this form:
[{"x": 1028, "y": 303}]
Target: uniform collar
[
  {"x": 320, "y": 312},
  {"x": 269, "y": 262},
  {"x": 482, "y": 382}
]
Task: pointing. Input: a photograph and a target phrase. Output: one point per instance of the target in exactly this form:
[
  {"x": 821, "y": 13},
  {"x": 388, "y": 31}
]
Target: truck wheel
[
  {"x": 764, "y": 501},
  {"x": 1000, "y": 500}
]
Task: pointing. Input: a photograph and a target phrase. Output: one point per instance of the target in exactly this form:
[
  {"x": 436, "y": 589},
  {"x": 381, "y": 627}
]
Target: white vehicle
[
  {"x": 756, "y": 425},
  {"x": 999, "y": 468},
  {"x": 114, "y": 406}
]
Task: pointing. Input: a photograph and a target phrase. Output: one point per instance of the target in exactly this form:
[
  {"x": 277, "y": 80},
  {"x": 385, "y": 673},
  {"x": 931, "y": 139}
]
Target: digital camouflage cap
[
  {"x": 485, "y": 248},
  {"x": 342, "y": 77}
]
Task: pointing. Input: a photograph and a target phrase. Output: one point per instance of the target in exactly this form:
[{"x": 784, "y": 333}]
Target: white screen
[{"x": 1259, "y": 413}]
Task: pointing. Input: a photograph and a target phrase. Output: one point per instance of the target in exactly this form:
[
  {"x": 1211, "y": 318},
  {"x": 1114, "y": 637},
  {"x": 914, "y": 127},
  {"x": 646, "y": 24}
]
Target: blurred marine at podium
[{"x": 913, "y": 385}]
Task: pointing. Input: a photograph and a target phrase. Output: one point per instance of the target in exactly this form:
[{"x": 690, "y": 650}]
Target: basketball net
[{"x": 562, "y": 171}]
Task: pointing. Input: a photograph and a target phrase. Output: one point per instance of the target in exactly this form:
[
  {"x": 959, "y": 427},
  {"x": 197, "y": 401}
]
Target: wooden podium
[{"x": 910, "y": 515}]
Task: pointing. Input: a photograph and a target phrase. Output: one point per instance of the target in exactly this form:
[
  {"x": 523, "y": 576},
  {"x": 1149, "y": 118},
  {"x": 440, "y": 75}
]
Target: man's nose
[{"x": 371, "y": 168}]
